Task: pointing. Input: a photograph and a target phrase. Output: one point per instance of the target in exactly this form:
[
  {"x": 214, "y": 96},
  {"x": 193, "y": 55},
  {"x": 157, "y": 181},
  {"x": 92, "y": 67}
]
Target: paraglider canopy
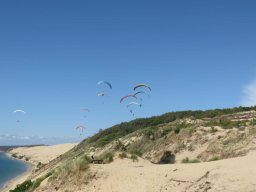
[
  {"x": 19, "y": 110},
  {"x": 127, "y": 96},
  {"x": 140, "y": 92},
  {"x": 81, "y": 128},
  {"x": 134, "y": 103},
  {"x": 106, "y": 83},
  {"x": 85, "y": 109},
  {"x": 142, "y": 85}
]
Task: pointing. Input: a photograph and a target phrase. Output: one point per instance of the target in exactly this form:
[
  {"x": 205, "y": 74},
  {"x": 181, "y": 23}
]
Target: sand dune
[
  {"x": 43, "y": 154},
  {"x": 123, "y": 175},
  {"x": 237, "y": 174}
]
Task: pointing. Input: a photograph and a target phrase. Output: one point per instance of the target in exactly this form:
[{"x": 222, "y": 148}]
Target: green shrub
[
  {"x": 36, "y": 184},
  {"x": 23, "y": 187},
  {"x": 216, "y": 158},
  {"x": 108, "y": 157},
  {"x": 137, "y": 152},
  {"x": 39, "y": 165},
  {"x": 187, "y": 160},
  {"x": 21, "y": 156},
  {"x": 166, "y": 131},
  {"x": 72, "y": 167},
  {"x": 67, "y": 168},
  {"x": 82, "y": 163},
  {"x": 134, "y": 157},
  {"x": 225, "y": 123},
  {"x": 194, "y": 161},
  {"x": 122, "y": 155},
  {"x": 177, "y": 130},
  {"x": 253, "y": 122}
]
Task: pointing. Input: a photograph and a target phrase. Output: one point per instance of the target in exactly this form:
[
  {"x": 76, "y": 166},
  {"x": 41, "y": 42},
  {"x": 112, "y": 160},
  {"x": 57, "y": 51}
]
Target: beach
[{"x": 32, "y": 156}]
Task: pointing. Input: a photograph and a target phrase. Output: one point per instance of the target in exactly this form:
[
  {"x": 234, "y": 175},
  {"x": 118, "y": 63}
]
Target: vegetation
[
  {"x": 170, "y": 128},
  {"x": 30, "y": 186},
  {"x": 134, "y": 157},
  {"x": 82, "y": 163},
  {"x": 122, "y": 155},
  {"x": 107, "y": 157},
  {"x": 225, "y": 123},
  {"x": 215, "y": 158},
  {"x": 167, "y": 130},
  {"x": 253, "y": 122},
  {"x": 72, "y": 167},
  {"x": 137, "y": 152},
  {"x": 187, "y": 160},
  {"x": 24, "y": 187},
  {"x": 213, "y": 130},
  {"x": 20, "y": 157},
  {"x": 106, "y": 136},
  {"x": 39, "y": 165}
]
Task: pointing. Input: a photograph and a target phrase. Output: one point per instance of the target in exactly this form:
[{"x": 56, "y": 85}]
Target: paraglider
[
  {"x": 131, "y": 111},
  {"x": 137, "y": 95},
  {"x": 106, "y": 83},
  {"x": 127, "y": 96},
  {"x": 19, "y": 111},
  {"x": 85, "y": 109},
  {"x": 102, "y": 94},
  {"x": 140, "y": 92},
  {"x": 142, "y": 85},
  {"x": 81, "y": 128},
  {"x": 134, "y": 103},
  {"x": 131, "y": 104}
]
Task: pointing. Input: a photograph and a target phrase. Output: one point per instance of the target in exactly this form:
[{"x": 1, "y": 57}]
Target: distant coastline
[
  {"x": 29, "y": 167},
  {"x": 6, "y": 148},
  {"x": 32, "y": 156}
]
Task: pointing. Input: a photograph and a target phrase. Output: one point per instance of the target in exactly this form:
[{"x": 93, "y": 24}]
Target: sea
[{"x": 10, "y": 168}]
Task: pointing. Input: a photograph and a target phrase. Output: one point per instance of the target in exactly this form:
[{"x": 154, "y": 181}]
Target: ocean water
[{"x": 10, "y": 168}]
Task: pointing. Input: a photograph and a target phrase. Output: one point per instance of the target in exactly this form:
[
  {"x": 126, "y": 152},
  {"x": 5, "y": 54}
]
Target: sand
[
  {"x": 42, "y": 154},
  {"x": 230, "y": 175},
  {"x": 123, "y": 175}
]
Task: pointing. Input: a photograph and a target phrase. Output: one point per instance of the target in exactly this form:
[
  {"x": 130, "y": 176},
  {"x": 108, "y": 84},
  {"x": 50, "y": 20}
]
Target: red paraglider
[{"x": 127, "y": 96}]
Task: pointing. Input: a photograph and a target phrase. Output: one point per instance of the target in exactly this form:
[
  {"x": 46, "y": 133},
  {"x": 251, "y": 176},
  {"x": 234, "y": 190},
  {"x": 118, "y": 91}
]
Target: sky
[{"x": 194, "y": 54}]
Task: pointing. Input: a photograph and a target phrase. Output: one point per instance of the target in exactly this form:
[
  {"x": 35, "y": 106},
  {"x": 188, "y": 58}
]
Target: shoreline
[
  {"x": 11, "y": 184},
  {"x": 37, "y": 154}
]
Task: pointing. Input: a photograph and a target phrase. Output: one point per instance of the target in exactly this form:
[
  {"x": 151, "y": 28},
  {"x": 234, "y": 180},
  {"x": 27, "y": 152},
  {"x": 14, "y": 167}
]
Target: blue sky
[{"x": 194, "y": 54}]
